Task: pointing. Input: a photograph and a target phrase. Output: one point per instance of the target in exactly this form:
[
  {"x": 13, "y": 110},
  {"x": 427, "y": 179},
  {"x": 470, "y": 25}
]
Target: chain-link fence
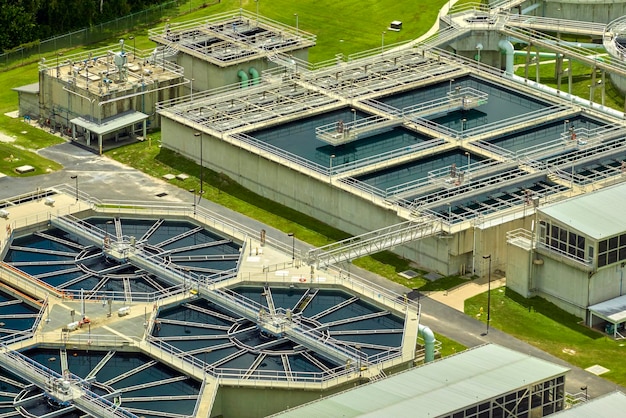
[{"x": 100, "y": 32}]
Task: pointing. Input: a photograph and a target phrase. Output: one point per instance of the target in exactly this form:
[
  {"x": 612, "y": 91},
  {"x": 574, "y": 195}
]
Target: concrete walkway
[{"x": 455, "y": 298}]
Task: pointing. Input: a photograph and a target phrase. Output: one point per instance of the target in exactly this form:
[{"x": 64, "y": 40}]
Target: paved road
[{"x": 106, "y": 179}]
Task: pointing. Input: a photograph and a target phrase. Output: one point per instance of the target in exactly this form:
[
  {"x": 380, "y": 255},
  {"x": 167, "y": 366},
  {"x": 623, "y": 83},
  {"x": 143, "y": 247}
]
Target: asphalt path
[{"x": 104, "y": 178}]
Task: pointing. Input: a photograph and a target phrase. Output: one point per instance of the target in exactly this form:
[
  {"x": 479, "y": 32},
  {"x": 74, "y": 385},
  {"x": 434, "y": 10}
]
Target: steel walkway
[
  {"x": 64, "y": 388},
  {"x": 374, "y": 242}
]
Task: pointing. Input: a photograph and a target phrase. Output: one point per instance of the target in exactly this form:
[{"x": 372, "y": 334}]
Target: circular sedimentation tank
[{"x": 148, "y": 317}]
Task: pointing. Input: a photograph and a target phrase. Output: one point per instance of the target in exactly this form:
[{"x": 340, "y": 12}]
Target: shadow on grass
[
  {"x": 553, "y": 312},
  {"x": 445, "y": 283},
  {"x": 225, "y": 184}
]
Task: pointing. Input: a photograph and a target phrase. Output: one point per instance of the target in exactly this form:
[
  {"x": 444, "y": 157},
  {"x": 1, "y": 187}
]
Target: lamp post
[
  {"x": 193, "y": 192},
  {"x": 293, "y": 246},
  {"x": 297, "y": 26},
  {"x": 199, "y": 135},
  {"x": 485, "y": 257},
  {"x": 132, "y": 38},
  {"x": 58, "y": 71},
  {"x": 382, "y": 43},
  {"x": 330, "y": 172},
  {"x": 586, "y": 393},
  {"x": 76, "y": 186}
]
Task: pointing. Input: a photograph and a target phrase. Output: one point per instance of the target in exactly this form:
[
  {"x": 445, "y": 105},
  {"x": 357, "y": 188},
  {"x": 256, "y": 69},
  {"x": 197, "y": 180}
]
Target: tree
[{"x": 17, "y": 24}]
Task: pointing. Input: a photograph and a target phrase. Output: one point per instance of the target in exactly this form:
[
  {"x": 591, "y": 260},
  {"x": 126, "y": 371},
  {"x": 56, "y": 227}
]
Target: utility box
[{"x": 396, "y": 25}]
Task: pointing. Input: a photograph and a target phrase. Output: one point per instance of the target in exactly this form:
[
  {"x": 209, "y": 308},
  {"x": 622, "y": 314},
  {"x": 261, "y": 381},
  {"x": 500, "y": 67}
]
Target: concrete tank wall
[
  {"x": 316, "y": 197},
  {"x": 263, "y": 401},
  {"x": 596, "y": 11},
  {"x": 56, "y": 102},
  {"x": 208, "y": 76}
]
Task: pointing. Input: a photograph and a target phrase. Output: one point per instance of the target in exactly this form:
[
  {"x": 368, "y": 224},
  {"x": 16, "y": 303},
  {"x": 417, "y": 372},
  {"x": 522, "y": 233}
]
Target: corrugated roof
[
  {"x": 613, "y": 310},
  {"x": 437, "y": 388},
  {"x": 28, "y": 88},
  {"x": 111, "y": 124},
  {"x": 598, "y": 215},
  {"x": 608, "y": 406}
]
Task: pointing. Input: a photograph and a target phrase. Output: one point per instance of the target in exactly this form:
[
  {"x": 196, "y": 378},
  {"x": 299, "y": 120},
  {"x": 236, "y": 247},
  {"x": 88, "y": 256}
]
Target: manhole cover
[
  {"x": 433, "y": 276},
  {"x": 597, "y": 369},
  {"x": 161, "y": 194},
  {"x": 408, "y": 274}
]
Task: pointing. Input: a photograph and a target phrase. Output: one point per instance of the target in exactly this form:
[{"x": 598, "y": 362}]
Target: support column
[
  {"x": 527, "y": 60},
  {"x": 569, "y": 76},
  {"x": 559, "y": 71},
  {"x": 144, "y": 129},
  {"x": 538, "y": 61},
  {"x": 100, "y": 143},
  {"x": 603, "y": 80},
  {"x": 592, "y": 90}
]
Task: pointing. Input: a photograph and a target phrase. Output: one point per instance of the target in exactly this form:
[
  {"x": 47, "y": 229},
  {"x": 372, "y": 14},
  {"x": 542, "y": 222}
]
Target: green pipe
[
  {"x": 429, "y": 342},
  {"x": 254, "y": 76},
  {"x": 243, "y": 76}
]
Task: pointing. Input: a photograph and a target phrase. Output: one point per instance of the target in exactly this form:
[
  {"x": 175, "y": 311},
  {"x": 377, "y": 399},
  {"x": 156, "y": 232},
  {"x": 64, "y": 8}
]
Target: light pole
[
  {"x": 586, "y": 394},
  {"x": 485, "y": 257},
  {"x": 199, "y": 135},
  {"x": 382, "y": 43},
  {"x": 330, "y": 172},
  {"x": 58, "y": 70},
  {"x": 132, "y": 38},
  {"x": 297, "y": 26},
  {"x": 293, "y": 246},
  {"x": 193, "y": 192},
  {"x": 76, "y": 187}
]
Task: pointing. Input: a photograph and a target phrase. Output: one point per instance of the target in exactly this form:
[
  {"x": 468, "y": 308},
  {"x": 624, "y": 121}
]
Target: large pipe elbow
[
  {"x": 254, "y": 76},
  {"x": 508, "y": 49},
  {"x": 429, "y": 342},
  {"x": 243, "y": 77}
]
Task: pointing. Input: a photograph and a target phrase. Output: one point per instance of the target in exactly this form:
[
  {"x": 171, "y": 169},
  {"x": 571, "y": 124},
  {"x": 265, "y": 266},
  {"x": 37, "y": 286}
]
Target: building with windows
[
  {"x": 577, "y": 255},
  {"x": 488, "y": 381}
]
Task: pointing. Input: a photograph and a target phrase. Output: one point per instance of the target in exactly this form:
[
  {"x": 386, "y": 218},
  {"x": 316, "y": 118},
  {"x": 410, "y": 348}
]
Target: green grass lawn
[
  {"x": 551, "y": 329},
  {"x": 448, "y": 346},
  {"x": 581, "y": 80}
]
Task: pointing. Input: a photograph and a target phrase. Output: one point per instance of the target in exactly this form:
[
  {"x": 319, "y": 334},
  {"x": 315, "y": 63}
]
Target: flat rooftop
[
  {"x": 232, "y": 38},
  {"x": 113, "y": 69}
]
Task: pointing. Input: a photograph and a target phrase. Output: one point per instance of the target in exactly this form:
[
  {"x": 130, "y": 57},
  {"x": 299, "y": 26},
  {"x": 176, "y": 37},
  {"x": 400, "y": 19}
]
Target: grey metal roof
[
  {"x": 437, "y": 388},
  {"x": 608, "y": 406},
  {"x": 111, "y": 124},
  {"x": 613, "y": 310},
  {"x": 28, "y": 88},
  {"x": 598, "y": 215}
]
